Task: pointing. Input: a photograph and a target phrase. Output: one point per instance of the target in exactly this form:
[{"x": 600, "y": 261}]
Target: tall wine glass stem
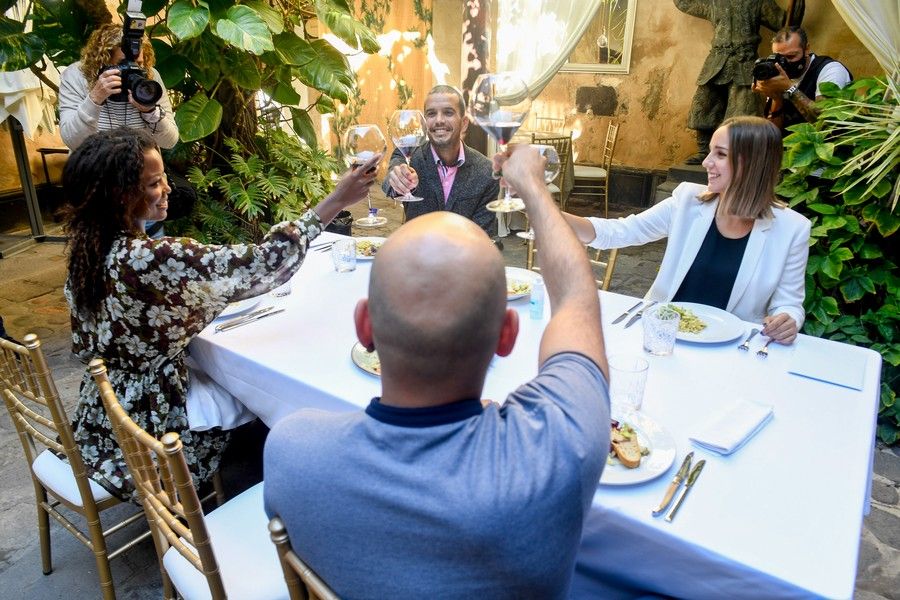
[{"x": 507, "y": 196}]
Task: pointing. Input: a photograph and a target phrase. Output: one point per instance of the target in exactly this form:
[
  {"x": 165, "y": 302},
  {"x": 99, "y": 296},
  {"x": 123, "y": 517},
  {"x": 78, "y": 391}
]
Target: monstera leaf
[
  {"x": 187, "y": 22},
  {"x": 244, "y": 28},
  {"x": 198, "y": 117},
  {"x": 339, "y": 19},
  {"x": 328, "y": 71}
]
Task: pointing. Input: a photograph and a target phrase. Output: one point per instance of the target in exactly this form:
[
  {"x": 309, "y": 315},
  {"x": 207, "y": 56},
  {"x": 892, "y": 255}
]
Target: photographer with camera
[
  {"x": 92, "y": 96},
  {"x": 791, "y": 76}
]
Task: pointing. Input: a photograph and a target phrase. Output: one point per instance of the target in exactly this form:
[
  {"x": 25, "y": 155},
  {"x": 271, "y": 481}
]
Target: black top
[
  {"x": 424, "y": 417},
  {"x": 711, "y": 277}
]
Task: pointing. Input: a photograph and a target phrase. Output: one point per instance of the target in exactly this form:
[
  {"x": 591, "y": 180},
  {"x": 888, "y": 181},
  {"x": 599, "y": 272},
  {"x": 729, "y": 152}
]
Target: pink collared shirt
[{"x": 446, "y": 173}]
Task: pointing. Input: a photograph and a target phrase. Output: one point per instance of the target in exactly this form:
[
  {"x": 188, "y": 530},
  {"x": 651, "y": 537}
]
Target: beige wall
[
  {"x": 9, "y": 174},
  {"x": 653, "y": 100}
]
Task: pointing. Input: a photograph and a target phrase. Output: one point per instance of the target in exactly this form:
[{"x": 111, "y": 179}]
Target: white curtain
[
  {"x": 877, "y": 25},
  {"x": 535, "y": 37},
  {"x": 23, "y": 96}
]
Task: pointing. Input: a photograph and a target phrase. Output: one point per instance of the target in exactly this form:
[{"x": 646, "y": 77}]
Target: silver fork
[
  {"x": 746, "y": 345},
  {"x": 764, "y": 351}
]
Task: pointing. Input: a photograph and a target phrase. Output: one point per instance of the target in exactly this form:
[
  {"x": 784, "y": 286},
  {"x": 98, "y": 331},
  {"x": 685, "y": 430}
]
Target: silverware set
[
  {"x": 689, "y": 477},
  {"x": 745, "y": 345},
  {"x": 323, "y": 247},
  {"x": 636, "y": 315},
  {"x": 252, "y": 317}
]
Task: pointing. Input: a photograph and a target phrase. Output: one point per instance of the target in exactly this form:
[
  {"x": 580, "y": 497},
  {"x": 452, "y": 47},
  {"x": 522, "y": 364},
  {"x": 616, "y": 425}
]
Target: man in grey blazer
[{"x": 446, "y": 173}]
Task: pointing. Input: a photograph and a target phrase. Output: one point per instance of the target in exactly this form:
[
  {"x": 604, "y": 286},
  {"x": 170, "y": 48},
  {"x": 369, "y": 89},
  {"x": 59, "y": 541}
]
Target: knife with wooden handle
[
  {"x": 676, "y": 482},
  {"x": 692, "y": 478}
]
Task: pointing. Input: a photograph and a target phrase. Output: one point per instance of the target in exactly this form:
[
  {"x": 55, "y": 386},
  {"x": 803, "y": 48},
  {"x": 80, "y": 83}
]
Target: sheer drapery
[
  {"x": 875, "y": 23},
  {"x": 535, "y": 37}
]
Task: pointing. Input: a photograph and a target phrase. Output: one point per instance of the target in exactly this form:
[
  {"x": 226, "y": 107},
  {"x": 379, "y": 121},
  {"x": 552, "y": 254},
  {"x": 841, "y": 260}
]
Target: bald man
[{"x": 433, "y": 492}]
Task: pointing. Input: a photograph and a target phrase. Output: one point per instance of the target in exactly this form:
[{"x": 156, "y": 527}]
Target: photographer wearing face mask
[{"x": 791, "y": 77}]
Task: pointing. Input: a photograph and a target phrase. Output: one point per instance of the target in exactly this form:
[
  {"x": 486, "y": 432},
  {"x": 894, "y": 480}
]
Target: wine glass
[
  {"x": 499, "y": 104},
  {"x": 407, "y": 130},
  {"x": 552, "y": 166},
  {"x": 361, "y": 143}
]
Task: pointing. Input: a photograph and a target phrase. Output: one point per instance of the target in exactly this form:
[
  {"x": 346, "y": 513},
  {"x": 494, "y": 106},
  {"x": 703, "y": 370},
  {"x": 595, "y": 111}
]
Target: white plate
[
  {"x": 367, "y": 361},
  {"x": 502, "y": 206},
  {"x": 662, "y": 454},
  {"x": 521, "y": 275},
  {"x": 721, "y": 325},
  {"x": 375, "y": 240},
  {"x": 240, "y": 307}
]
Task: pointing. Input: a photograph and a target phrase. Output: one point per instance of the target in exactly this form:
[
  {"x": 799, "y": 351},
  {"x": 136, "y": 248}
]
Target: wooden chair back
[
  {"x": 563, "y": 146},
  {"x": 164, "y": 485},
  {"x": 606, "y": 267},
  {"x": 302, "y": 582},
  {"x": 45, "y": 432}
]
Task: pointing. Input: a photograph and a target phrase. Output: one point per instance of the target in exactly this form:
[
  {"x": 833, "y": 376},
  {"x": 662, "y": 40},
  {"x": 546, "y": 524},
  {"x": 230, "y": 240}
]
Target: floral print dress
[{"x": 160, "y": 294}]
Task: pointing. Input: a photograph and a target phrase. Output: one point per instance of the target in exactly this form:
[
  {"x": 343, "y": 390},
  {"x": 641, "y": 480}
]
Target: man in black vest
[
  {"x": 445, "y": 172},
  {"x": 791, "y": 94}
]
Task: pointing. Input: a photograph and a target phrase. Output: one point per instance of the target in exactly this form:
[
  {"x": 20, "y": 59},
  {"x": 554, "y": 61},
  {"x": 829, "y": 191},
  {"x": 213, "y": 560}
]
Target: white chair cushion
[
  {"x": 56, "y": 475},
  {"x": 246, "y": 555},
  {"x": 589, "y": 172},
  {"x": 552, "y": 188}
]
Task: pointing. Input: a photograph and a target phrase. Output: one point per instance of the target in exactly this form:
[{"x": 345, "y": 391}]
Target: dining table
[{"x": 781, "y": 517}]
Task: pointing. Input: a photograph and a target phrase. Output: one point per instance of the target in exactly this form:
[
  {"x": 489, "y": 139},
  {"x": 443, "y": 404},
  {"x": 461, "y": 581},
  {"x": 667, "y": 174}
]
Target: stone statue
[{"x": 723, "y": 87}]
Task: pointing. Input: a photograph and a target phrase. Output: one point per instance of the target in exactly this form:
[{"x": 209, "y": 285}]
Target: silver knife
[
  {"x": 692, "y": 478},
  {"x": 627, "y": 312},
  {"x": 230, "y": 326},
  {"x": 240, "y": 318},
  {"x": 638, "y": 314},
  {"x": 676, "y": 482}
]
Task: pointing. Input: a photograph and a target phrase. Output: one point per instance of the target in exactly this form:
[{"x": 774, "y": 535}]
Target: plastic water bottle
[{"x": 537, "y": 299}]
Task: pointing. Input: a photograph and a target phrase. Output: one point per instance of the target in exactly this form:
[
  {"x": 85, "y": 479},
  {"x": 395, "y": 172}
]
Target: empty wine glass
[
  {"x": 499, "y": 104},
  {"x": 552, "y": 167},
  {"x": 361, "y": 143},
  {"x": 407, "y": 130}
]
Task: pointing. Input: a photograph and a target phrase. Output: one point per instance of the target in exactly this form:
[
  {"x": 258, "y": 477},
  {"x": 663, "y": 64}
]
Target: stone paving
[{"x": 31, "y": 300}]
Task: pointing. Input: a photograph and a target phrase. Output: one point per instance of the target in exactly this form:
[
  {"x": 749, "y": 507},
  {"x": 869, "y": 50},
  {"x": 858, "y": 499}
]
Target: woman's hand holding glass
[{"x": 361, "y": 144}]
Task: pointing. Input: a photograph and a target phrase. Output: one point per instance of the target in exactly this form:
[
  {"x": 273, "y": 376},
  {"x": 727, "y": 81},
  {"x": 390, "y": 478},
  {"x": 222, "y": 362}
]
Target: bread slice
[{"x": 626, "y": 447}]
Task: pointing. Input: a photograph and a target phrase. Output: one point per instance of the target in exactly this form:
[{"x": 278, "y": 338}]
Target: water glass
[
  {"x": 627, "y": 378},
  {"x": 343, "y": 253},
  {"x": 660, "y": 328}
]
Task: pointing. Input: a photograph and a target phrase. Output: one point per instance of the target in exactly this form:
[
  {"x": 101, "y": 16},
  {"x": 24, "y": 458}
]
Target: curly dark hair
[{"x": 102, "y": 183}]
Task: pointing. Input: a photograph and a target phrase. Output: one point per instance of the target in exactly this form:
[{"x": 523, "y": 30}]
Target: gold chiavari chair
[
  {"x": 302, "y": 582},
  {"x": 563, "y": 146},
  {"x": 594, "y": 181},
  {"x": 226, "y": 554},
  {"x": 54, "y": 461},
  {"x": 605, "y": 268}
]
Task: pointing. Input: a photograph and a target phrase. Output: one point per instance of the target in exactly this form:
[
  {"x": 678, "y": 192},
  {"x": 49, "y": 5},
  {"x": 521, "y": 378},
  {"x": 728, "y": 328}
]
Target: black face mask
[{"x": 795, "y": 69}]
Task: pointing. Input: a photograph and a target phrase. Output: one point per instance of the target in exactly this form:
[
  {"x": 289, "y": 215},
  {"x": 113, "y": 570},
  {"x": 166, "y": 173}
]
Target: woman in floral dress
[{"x": 137, "y": 302}]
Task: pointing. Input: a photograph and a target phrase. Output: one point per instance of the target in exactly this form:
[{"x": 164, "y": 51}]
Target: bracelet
[
  {"x": 789, "y": 92},
  {"x": 152, "y": 116}
]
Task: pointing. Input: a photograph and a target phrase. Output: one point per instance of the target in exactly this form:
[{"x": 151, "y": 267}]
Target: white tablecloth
[{"x": 780, "y": 518}]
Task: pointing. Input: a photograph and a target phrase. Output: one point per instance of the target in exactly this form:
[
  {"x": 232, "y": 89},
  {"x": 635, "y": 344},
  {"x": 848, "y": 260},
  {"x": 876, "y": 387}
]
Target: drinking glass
[
  {"x": 551, "y": 170},
  {"x": 407, "y": 130},
  {"x": 362, "y": 142},
  {"x": 627, "y": 378},
  {"x": 499, "y": 104},
  {"x": 660, "y": 328},
  {"x": 343, "y": 254}
]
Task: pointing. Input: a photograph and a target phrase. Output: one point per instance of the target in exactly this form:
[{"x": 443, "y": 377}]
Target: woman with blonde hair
[
  {"x": 731, "y": 243},
  {"x": 85, "y": 88}
]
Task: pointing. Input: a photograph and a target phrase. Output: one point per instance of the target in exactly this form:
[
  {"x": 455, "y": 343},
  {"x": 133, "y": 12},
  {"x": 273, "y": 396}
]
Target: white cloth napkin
[
  {"x": 732, "y": 425},
  {"x": 209, "y": 404},
  {"x": 818, "y": 361}
]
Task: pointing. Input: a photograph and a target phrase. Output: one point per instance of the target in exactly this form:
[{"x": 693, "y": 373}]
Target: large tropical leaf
[
  {"x": 18, "y": 50},
  {"x": 328, "y": 71},
  {"x": 244, "y": 28},
  {"x": 198, "y": 117},
  {"x": 303, "y": 126},
  {"x": 268, "y": 14},
  {"x": 340, "y": 20},
  {"x": 292, "y": 49},
  {"x": 186, "y": 21},
  {"x": 242, "y": 69}
]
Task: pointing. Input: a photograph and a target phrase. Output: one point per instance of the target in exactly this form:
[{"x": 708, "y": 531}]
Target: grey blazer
[{"x": 472, "y": 189}]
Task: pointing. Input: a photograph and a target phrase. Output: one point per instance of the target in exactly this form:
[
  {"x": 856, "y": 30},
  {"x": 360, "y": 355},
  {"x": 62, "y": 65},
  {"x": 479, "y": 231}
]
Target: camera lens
[{"x": 145, "y": 91}]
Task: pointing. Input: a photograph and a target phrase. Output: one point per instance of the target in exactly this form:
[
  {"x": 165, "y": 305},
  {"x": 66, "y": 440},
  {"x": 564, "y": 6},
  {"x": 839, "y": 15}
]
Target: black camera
[
  {"x": 764, "y": 68},
  {"x": 134, "y": 78}
]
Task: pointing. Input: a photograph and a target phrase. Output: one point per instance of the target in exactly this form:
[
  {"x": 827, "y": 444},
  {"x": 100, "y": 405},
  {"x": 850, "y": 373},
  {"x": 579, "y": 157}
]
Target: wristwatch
[{"x": 789, "y": 92}]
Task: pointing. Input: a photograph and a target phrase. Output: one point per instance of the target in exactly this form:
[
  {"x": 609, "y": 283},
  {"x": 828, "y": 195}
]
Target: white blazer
[{"x": 772, "y": 275}]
